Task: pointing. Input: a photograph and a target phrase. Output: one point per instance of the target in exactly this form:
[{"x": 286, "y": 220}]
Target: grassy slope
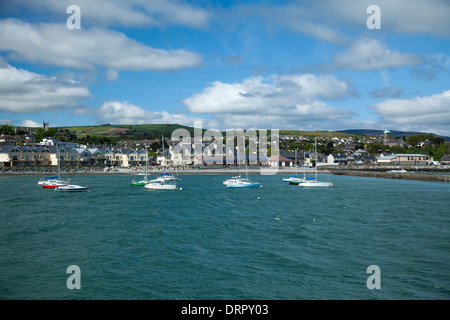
[
  {"x": 167, "y": 129},
  {"x": 117, "y": 130}
]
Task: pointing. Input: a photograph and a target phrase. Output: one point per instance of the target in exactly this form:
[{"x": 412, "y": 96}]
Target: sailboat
[
  {"x": 144, "y": 181},
  {"x": 161, "y": 183},
  {"x": 48, "y": 180},
  {"x": 314, "y": 182},
  {"x": 240, "y": 182},
  {"x": 73, "y": 187},
  {"x": 56, "y": 181},
  {"x": 243, "y": 183},
  {"x": 296, "y": 180},
  {"x": 292, "y": 178}
]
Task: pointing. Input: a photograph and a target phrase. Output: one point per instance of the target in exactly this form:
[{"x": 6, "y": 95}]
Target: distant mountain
[{"x": 394, "y": 133}]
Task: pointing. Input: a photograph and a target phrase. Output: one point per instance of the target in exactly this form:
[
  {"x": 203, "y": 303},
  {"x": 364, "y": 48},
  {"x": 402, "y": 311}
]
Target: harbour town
[
  {"x": 224, "y": 158},
  {"x": 418, "y": 156}
]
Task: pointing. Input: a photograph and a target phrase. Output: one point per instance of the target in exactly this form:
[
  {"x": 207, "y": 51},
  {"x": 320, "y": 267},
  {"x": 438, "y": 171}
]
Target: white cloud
[
  {"x": 24, "y": 91},
  {"x": 330, "y": 20},
  {"x": 6, "y": 122},
  {"x": 369, "y": 54},
  {"x": 430, "y": 113},
  {"x": 258, "y": 94},
  {"x": 404, "y": 16},
  {"x": 54, "y": 44},
  {"x": 280, "y": 101},
  {"x": 128, "y": 13},
  {"x": 126, "y": 113},
  {"x": 30, "y": 123},
  {"x": 297, "y": 17}
]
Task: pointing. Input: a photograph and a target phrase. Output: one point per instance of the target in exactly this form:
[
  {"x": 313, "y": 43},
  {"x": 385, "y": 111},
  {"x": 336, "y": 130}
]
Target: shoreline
[
  {"x": 377, "y": 173},
  {"x": 126, "y": 171}
]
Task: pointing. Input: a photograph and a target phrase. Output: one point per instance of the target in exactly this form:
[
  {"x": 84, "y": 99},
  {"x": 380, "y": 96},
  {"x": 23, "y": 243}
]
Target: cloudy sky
[{"x": 302, "y": 65}]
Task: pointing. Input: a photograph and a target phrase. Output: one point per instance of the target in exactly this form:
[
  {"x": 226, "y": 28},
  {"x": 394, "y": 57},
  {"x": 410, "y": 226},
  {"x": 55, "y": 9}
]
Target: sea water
[{"x": 206, "y": 241}]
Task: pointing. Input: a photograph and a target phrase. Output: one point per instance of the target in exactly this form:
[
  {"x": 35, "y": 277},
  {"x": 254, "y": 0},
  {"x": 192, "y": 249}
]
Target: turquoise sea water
[{"x": 278, "y": 242}]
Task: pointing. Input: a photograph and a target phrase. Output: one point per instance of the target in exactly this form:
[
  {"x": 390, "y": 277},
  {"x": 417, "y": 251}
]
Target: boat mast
[
  {"x": 164, "y": 156},
  {"x": 304, "y": 168},
  {"x": 58, "y": 159},
  {"x": 315, "y": 154}
]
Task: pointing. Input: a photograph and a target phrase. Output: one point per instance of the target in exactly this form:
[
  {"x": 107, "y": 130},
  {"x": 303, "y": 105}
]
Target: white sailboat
[
  {"x": 161, "y": 183},
  {"x": 296, "y": 180},
  {"x": 144, "y": 181},
  {"x": 72, "y": 187},
  {"x": 56, "y": 181},
  {"x": 240, "y": 182},
  {"x": 314, "y": 182},
  {"x": 243, "y": 183},
  {"x": 294, "y": 177}
]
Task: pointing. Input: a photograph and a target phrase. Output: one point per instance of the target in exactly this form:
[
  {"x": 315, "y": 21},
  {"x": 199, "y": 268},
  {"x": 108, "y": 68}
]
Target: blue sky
[{"x": 301, "y": 65}]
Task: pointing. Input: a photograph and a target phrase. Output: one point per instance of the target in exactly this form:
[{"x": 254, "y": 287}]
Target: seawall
[{"x": 394, "y": 175}]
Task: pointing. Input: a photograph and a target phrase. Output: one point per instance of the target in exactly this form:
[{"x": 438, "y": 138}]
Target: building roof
[
  {"x": 393, "y": 156},
  {"x": 387, "y": 131},
  {"x": 279, "y": 158}
]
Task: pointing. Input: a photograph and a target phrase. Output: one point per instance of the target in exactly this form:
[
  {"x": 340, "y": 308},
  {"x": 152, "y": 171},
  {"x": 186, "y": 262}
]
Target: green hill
[{"x": 140, "y": 131}]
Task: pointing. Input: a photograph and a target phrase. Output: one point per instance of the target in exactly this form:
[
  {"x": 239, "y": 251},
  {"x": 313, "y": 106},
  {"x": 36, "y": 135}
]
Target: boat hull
[
  {"x": 139, "y": 183},
  {"x": 296, "y": 181},
  {"x": 315, "y": 184},
  {"x": 244, "y": 185},
  {"x": 160, "y": 186},
  {"x": 72, "y": 188},
  {"x": 52, "y": 186}
]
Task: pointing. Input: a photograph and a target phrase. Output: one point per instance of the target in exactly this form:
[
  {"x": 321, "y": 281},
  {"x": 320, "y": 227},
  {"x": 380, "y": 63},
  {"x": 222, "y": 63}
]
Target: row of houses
[
  {"x": 175, "y": 155},
  {"x": 12, "y": 156}
]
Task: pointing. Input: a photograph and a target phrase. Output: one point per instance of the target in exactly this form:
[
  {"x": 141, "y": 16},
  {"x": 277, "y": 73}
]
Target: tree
[
  {"x": 308, "y": 146},
  {"x": 329, "y": 148},
  {"x": 440, "y": 151},
  {"x": 437, "y": 140},
  {"x": 375, "y": 148},
  {"x": 413, "y": 140},
  {"x": 7, "y": 130}
]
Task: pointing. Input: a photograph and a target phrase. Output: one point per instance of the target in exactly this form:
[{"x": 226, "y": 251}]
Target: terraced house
[{"x": 33, "y": 156}]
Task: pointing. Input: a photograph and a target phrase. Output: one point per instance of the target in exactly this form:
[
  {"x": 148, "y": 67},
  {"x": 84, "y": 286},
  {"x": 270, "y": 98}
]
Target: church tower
[
  {"x": 45, "y": 125},
  {"x": 387, "y": 135}
]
